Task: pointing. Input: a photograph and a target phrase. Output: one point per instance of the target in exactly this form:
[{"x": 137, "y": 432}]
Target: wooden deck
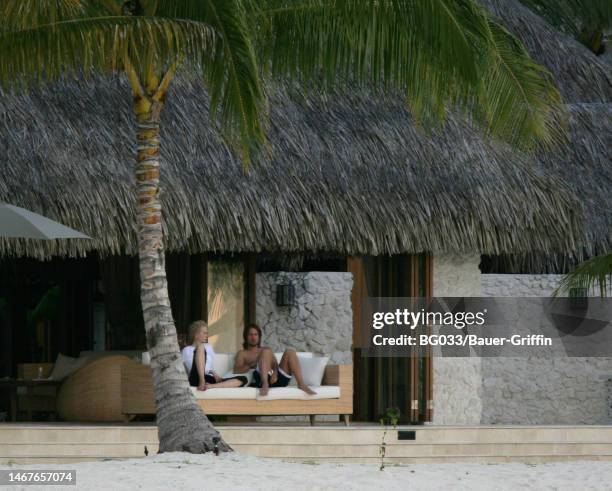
[{"x": 62, "y": 442}]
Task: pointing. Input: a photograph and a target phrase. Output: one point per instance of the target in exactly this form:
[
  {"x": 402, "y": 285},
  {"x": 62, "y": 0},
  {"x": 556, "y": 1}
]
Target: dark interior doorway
[{"x": 402, "y": 383}]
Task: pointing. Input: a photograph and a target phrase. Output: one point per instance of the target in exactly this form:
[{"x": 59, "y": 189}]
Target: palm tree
[{"x": 439, "y": 53}]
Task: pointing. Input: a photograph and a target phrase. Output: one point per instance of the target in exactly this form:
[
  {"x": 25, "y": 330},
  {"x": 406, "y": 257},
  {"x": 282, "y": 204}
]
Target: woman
[{"x": 198, "y": 359}]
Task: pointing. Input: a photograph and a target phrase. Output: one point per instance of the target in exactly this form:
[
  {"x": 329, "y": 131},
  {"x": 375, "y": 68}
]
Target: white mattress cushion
[
  {"x": 226, "y": 393},
  {"x": 293, "y": 393}
]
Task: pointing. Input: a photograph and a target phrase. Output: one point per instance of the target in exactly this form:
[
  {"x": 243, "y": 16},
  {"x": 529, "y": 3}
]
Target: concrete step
[
  {"x": 73, "y": 450},
  {"x": 33, "y": 443},
  {"x": 423, "y": 435},
  {"x": 102, "y": 450},
  {"x": 13, "y": 433},
  {"x": 407, "y": 450}
]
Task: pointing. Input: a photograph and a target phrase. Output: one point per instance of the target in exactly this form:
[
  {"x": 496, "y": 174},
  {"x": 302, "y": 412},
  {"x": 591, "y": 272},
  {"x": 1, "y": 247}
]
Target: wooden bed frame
[{"x": 137, "y": 397}]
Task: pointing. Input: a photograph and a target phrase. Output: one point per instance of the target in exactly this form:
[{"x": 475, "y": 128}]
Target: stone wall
[
  {"x": 456, "y": 381},
  {"x": 519, "y": 285},
  {"x": 546, "y": 391},
  {"x": 542, "y": 391},
  {"x": 523, "y": 285},
  {"x": 321, "y": 320}
]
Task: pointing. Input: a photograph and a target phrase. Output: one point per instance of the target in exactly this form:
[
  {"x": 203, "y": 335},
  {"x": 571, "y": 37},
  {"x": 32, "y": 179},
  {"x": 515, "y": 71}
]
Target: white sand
[{"x": 182, "y": 471}]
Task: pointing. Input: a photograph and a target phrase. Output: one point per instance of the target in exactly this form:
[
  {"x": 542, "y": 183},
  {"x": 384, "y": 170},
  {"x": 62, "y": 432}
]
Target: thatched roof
[
  {"x": 350, "y": 174},
  {"x": 585, "y": 164},
  {"x": 580, "y": 75}
]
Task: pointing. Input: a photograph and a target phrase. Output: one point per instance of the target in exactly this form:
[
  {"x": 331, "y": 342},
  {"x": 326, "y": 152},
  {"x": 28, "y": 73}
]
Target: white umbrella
[{"x": 17, "y": 222}]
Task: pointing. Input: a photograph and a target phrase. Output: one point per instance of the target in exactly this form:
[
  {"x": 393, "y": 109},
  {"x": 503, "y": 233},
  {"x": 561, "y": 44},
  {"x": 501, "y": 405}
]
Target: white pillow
[
  {"x": 313, "y": 370},
  {"x": 65, "y": 366}
]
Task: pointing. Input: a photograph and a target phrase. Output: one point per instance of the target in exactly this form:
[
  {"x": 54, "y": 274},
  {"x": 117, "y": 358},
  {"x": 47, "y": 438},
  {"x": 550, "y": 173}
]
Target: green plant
[
  {"x": 390, "y": 418},
  {"x": 597, "y": 271},
  {"x": 47, "y": 307}
]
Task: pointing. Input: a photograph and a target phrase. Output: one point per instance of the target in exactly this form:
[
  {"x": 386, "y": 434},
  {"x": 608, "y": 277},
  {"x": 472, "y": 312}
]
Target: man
[{"x": 268, "y": 372}]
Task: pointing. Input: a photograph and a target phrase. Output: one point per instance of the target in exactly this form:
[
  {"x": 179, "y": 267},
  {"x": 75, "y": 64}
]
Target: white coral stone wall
[
  {"x": 321, "y": 320},
  {"x": 542, "y": 391},
  {"x": 456, "y": 381}
]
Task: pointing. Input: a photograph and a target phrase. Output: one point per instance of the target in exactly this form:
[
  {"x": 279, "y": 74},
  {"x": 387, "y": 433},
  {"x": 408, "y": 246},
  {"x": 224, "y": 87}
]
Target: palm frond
[
  {"x": 597, "y": 271},
  {"x": 85, "y": 37},
  {"x": 27, "y": 14},
  {"x": 232, "y": 75},
  {"x": 438, "y": 52},
  {"x": 87, "y": 45},
  {"x": 230, "y": 69},
  {"x": 519, "y": 97}
]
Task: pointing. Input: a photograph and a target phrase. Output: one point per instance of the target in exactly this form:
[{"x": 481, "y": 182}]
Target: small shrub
[{"x": 389, "y": 418}]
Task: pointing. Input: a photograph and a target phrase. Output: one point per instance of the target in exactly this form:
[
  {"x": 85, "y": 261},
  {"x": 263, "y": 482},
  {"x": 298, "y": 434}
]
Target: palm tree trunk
[{"x": 181, "y": 424}]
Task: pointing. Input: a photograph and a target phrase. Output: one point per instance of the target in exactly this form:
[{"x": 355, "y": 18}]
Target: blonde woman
[{"x": 198, "y": 358}]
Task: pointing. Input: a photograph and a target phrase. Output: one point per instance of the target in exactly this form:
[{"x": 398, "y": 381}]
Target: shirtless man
[{"x": 268, "y": 372}]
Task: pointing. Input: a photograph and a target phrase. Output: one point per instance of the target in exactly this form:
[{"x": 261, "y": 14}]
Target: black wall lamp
[{"x": 285, "y": 295}]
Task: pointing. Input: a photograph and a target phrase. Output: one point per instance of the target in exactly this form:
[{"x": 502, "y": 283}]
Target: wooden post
[
  {"x": 414, "y": 362},
  {"x": 429, "y": 358},
  {"x": 250, "y": 285},
  {"x": 204, "y": 287},
  {"x": 354, "y": 265}
]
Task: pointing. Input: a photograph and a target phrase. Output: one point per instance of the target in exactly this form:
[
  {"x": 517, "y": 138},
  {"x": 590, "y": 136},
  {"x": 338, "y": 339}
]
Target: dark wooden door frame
[
  {"x": 359, "y": 292},
  {"x": 429, "y": 358},
  {"x": 250, "y": 286}
]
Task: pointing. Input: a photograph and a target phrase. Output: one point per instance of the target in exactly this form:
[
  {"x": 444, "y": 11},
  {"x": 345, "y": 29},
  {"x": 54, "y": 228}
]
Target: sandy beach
[{"x": 236, "y": 471}]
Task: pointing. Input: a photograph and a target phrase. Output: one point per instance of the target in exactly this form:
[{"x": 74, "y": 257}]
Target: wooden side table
[{"x": 28, "y": 386}]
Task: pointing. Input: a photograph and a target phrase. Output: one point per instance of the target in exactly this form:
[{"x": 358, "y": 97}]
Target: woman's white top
[{"x": 187, "y": 354}]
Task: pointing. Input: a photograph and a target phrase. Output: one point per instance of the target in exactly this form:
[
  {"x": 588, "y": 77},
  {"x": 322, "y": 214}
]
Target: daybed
[
  {"x": 118, "y": 388},
  {"x": 334, "y": 393}
]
